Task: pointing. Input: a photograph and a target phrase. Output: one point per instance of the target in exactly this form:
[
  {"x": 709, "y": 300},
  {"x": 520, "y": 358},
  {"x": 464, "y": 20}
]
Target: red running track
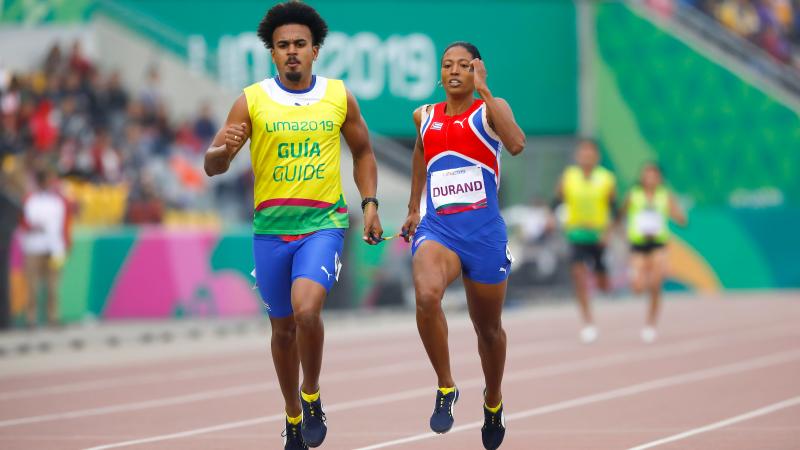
[{"x": 724, "y": 374}]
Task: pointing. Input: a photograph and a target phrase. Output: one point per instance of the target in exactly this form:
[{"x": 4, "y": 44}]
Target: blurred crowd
[
  {"x": 773, "y": 25},
  {"x": 102, "y": 139}
]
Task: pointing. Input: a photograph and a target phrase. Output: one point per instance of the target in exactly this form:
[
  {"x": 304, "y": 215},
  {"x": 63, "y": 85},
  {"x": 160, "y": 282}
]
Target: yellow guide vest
[
  {"x": 587, "y": 202},
  {"x": 295, "y": 154},
  {"x": 647, "y": 218}
]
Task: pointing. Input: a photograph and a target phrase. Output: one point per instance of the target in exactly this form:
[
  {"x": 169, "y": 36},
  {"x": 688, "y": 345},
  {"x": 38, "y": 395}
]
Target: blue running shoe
[
  {"x": 314, "y": 428},
  {"x": 442, "y": 418},
  {"x": 292, "y": 439},
  {"x": 494, "y": 428}
]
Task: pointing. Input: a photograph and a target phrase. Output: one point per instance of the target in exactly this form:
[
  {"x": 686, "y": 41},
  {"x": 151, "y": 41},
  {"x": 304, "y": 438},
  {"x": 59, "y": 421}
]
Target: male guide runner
[
  {"x": 294, "y": 121},
  {"x": 589, "y": 192}
]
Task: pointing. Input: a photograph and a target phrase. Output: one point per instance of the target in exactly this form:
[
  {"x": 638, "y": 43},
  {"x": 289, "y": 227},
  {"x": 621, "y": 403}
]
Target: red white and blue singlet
[{"x": 462, "y": 156}]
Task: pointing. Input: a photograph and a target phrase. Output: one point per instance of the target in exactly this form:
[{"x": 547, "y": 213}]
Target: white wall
[
  {"x": 23, "y": 49},
  {"x": 183, "y": 90}
]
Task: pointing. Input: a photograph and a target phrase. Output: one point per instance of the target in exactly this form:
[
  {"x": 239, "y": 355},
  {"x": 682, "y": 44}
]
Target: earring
[{"x": 439, "y": 83}]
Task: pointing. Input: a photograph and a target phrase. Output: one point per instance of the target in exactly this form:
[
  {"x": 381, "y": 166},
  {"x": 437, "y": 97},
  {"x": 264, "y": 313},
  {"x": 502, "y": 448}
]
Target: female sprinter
[
  {"x": 457, "y": 154},
  {"x": 648, "y": 208}
]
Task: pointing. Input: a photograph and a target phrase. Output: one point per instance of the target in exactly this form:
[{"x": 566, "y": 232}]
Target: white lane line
[
  {"x": 676, "y": 380},
  {"x": 212, "y": 429},
  {"x": 355, "y": 404},
  {"x": 200, "y": 371},
  {"x": 181, "y": 375},
  {"x": 135, "y": 406},
  {"x": 529, "y": 349},
  {"x": 343, "y": 337},
  {"x": 543, "y": 372},
  {"x": 348, "y": 375},
  {"x": 364, "y": 352},
  {"x": 723, "y": 423},
  {"x": 394, "y": 346},
  {"x": 133, "y": 380}
]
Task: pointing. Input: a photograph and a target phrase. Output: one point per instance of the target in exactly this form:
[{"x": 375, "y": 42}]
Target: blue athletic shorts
[
  {"x": 278, "y": 263},
  {"x": 484, "y": 259}
]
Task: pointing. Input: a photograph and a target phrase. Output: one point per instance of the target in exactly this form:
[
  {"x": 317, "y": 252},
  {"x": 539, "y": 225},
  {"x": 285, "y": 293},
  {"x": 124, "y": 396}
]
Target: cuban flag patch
[{"x": 436, "y": 126}]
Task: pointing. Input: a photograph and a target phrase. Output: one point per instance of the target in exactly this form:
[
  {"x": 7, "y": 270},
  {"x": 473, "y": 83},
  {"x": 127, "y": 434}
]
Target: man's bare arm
[
  {"x": 365, "y": 168},
  {"x": 229, "y": 139}
]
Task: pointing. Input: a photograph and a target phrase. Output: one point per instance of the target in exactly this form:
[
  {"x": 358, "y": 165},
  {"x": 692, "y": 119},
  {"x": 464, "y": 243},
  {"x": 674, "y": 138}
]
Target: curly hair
[{"x": 288, "y": 13}]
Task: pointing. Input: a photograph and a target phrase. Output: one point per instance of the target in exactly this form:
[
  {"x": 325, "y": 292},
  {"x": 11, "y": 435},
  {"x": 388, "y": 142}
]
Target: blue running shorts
[
  {"x": 316, "y": 257},
  {"x": 485, "y": 257}
]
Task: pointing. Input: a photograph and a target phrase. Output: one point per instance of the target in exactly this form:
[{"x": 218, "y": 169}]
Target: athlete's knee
[
  {"x": 490, "y": 333},
  {"x": 307, "y": 317},
  {"x": 285, "y": 334},
  {"x": 579, "y": 273},
  {"x": 656, "y": 281},
  {"x": 659, "y": 273},
  {"x": 429, "y": 298},
  {"x": 637, "y": 283}
]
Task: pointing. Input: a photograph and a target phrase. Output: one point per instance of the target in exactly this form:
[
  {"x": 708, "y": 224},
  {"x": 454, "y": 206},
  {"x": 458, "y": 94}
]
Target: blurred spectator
[
  {"x": 74, "y": 124},
  {"x": 116, "y": 104},
  {"x": 662, "y": 7},
  {"x": 11, "y": 193},
  {"x": 162, "y": 131},
  {"x": 68, "y": 160},
  {"x": 54, "y": 61},
  {"x": 740, "y": 17},
  {"x": 150, "y": 96},
  {"x": 135, "y": 150},
  {"x": 97, "y": 108},
  {"x": 767, "y": 16},
  {"x": 10, "y": 100},
  {"x": 73, "y": 85},
  {"x": 144, "y": 204},
  {"x": 55, "y": 87},
  {"x": 106, "y": 159},
  {"x": 9, "y": 136},
  {"x": 188, "y": 140},
  {"x": 796, "y": 20},
  {"x": 205, "y": 127},
  {"x": 85, "y": 123},
  {"x": 774, "y": 25},
  {"x": 776, "y": 44},
  {"x": 45, "y": 240},
  {"x": 43, "y": 127},
  {"x": 117, "y": 96},
  {"x": 78, "y": 61}
]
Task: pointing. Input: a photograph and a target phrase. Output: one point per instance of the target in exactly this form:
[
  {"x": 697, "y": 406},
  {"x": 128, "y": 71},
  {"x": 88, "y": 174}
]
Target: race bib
[
  {"x": 457, "y": 190},
  {"x": 649, "y": 223}
]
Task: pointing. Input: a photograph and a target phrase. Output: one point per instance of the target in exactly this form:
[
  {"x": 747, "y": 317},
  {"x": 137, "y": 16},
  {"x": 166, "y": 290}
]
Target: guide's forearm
[
  {"x": 365, "y": 172},
  {"x": 217, "y": 160}
]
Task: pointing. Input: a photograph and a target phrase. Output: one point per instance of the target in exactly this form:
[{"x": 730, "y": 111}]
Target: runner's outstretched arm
[
  {"x": 229, "y": 139},
  {"x": 365, "y": 168}
]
